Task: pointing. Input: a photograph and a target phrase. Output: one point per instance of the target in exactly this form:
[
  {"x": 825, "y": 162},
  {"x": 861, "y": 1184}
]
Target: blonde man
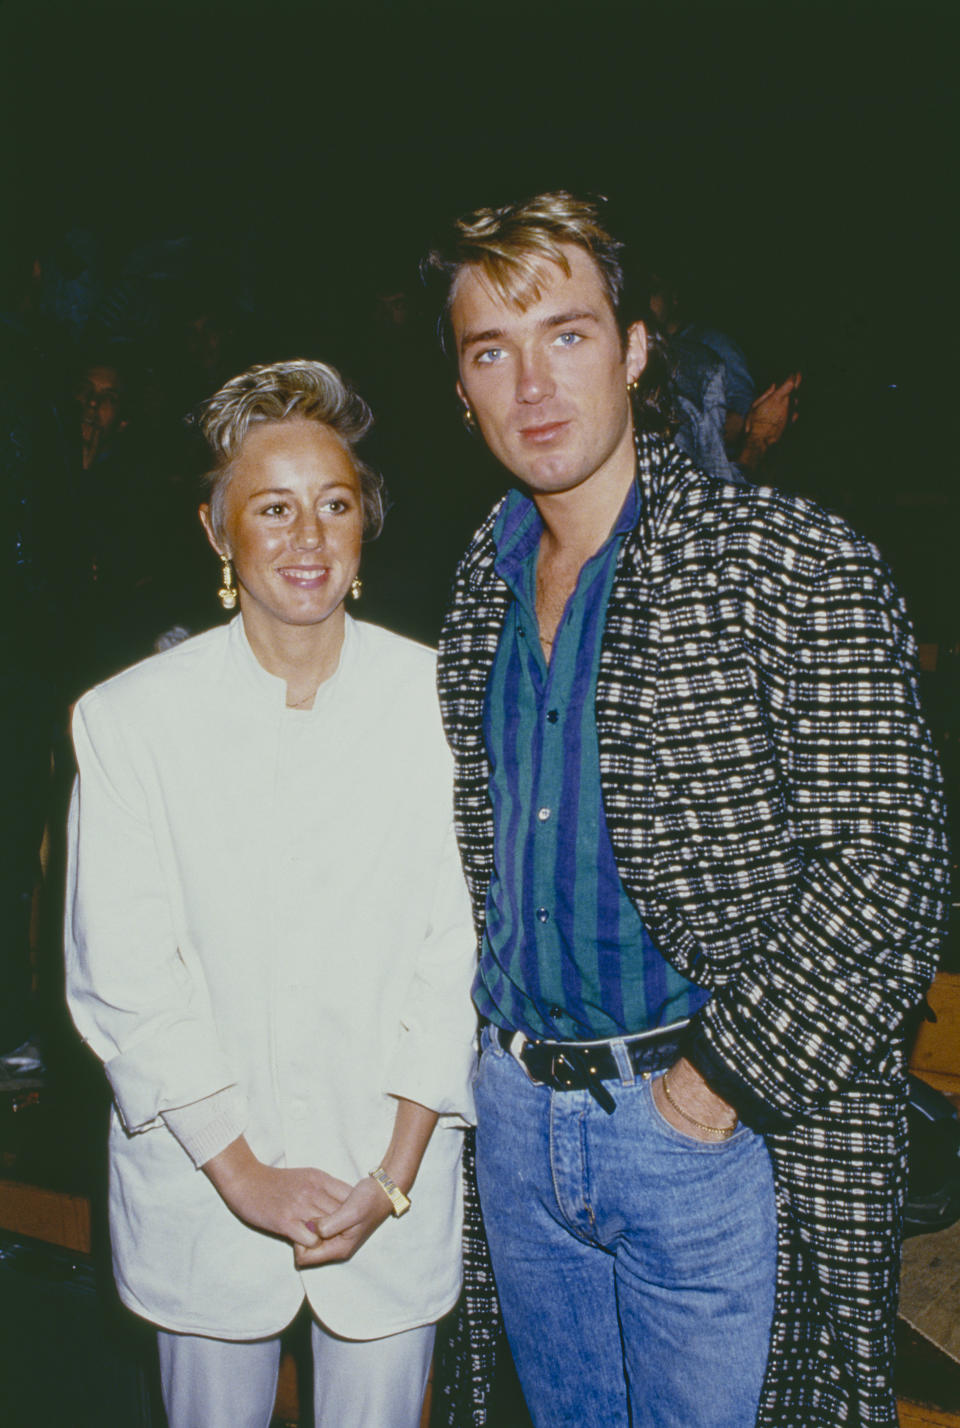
[{"x": 700, "y": 819}]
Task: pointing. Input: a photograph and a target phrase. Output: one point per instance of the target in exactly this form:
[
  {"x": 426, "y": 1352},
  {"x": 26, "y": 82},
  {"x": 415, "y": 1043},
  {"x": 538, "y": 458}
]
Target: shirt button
[
  {"x": 555, "y": 1012},
  {"x": 543, "y": 814},
  {"x": 552, "y": 716},
  {"x": 542, "y": 915}
]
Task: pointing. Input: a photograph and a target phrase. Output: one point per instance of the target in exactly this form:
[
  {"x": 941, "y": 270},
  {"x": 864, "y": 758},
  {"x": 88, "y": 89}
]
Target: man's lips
[
  {"x": 542, "y": 432},
  {"x": 304, "y": 577}
]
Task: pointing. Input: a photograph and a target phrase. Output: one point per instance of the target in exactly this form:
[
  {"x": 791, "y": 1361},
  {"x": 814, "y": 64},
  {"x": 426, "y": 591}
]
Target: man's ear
[
  {"x": 207, "y": 523},
  {"x": 636, "y": 351}
]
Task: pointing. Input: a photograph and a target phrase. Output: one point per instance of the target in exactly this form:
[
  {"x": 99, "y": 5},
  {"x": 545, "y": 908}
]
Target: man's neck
[{"x": 577, "y": 522}]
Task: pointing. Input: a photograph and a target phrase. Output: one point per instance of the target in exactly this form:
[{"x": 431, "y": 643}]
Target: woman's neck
[{"x": 303, "y": 656}]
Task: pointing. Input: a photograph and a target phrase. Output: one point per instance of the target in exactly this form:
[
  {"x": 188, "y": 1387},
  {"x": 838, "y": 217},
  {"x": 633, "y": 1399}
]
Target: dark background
[
  {"x": 284, "y": 166},
  {"x": 793, "y": 163}
]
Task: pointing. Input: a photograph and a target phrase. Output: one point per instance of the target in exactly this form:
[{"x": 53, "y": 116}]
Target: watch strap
[{"x": 399, "y": 1202}]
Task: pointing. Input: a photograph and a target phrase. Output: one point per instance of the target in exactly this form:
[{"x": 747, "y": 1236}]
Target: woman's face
[{"x": 293, "y": 523}]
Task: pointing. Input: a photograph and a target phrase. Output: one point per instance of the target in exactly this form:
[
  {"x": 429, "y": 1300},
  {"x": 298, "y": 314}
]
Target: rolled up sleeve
[
  {"x": 142, "y": 1011},
  {"x": 434, "y": 1058}
]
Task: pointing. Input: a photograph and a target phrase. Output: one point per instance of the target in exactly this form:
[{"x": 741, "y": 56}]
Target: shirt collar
[
  {"x": 273, "y": 691},
  {"x": 516, "y": 532}
]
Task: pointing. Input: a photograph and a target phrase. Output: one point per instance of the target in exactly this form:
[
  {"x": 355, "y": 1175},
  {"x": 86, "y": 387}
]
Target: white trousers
[{"x": 357, "y": 1383}]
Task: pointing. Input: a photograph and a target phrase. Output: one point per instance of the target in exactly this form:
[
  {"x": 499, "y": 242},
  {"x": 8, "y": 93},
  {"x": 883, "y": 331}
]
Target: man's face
[
  {"x": 99, "y": 398},
  {"x": 98, "y": 395},
  {"x": 548, "y": 386}
]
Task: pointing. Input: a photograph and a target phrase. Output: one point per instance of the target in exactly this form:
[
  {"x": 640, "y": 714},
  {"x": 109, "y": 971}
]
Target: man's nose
[{"x": 534, "y": 377}]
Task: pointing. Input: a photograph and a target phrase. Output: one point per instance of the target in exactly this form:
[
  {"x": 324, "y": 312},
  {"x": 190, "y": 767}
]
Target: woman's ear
[{"x": 207, "y": 522}]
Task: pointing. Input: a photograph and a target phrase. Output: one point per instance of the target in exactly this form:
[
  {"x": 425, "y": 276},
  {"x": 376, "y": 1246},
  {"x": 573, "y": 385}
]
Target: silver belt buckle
[{"x": 518, "y": 1041}]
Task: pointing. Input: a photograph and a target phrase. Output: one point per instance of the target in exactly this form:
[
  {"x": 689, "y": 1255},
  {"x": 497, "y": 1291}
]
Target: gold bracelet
[{"x": 720, "y": 1132}]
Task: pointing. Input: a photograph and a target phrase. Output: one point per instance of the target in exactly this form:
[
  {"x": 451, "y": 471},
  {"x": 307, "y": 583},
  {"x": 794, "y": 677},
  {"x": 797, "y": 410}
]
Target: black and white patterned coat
[{"x": 775, "y": 810}]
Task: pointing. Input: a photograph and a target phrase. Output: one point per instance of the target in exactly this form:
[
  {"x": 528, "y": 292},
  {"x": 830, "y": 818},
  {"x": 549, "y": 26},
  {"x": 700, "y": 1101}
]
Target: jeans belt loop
[{"x": 622, "y": 1057}]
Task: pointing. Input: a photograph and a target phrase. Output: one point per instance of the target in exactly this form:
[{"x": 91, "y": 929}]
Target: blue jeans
[{"x": 635, "y": 1265}]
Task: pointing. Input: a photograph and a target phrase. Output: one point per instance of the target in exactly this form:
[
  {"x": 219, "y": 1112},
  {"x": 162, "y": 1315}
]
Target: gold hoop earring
[
  {"x": 469, "y": 420},
  {"x": 356, "y": 588},
  {"x": 633, "y": 386},
  {"x": 227, "y": 594}
]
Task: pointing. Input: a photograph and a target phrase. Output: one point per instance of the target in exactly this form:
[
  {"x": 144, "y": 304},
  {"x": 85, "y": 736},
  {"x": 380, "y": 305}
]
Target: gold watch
[{"x": 398, "y": 1200}]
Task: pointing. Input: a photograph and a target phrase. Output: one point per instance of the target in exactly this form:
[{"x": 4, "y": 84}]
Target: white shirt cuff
[{"x": 206, "y": 1127}]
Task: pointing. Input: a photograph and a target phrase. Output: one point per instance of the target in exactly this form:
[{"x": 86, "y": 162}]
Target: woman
[{"x": 269, "y": 946}]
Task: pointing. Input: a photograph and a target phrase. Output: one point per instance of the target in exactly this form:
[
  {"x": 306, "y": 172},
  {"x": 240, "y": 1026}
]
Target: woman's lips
[
  {"x": 304, "y": 577},
  {"x": 542, "y": 433}
]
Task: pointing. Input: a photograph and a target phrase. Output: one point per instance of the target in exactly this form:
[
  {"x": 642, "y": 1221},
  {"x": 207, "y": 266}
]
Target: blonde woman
[{"x": 269, "y": 946}]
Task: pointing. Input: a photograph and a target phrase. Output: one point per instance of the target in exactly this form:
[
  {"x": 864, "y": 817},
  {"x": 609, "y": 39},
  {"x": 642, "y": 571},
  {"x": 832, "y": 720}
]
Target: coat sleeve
[
  {"x": 130, "y": 993},
  {"x": 435, "y": 1056},
  {"x": 854, "y": 952}
]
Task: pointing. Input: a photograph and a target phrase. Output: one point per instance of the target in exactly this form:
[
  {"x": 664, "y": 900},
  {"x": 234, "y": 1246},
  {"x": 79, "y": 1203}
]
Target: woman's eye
[
  {"x": 337, "y": 506},
  {"x": 488, "y": 356},
  {"x": 276, "y": 508}
]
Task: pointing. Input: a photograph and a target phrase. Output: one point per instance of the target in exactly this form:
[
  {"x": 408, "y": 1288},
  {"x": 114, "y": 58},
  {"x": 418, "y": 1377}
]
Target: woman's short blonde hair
[{"x": 278, "y": 391}]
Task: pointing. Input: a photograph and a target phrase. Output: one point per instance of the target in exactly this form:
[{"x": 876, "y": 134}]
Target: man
[
  {"x": 700, "y": 818},
  {"x": 98, "y": 395}
]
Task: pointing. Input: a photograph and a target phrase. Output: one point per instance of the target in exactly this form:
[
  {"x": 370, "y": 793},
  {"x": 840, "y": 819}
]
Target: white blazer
[{"x": 272, "y": 900}]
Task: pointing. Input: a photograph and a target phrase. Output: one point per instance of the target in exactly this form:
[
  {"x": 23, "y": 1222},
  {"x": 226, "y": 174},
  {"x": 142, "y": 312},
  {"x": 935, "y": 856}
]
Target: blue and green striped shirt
[{"x": 565, "y": 954}]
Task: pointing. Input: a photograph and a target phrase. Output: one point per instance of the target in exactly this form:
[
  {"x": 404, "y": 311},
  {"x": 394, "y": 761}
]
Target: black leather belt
[{"x": 585, "y": 1065}]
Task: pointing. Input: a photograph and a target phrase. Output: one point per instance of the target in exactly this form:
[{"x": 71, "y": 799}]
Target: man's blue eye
[
  {"x": 490, "y": 355},
  {"x": 569, "y": 339}
]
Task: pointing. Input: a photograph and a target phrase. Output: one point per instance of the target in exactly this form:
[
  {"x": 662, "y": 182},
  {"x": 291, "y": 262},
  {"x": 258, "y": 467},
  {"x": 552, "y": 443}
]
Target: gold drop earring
[
  {"x": 356, "y": 588},
  {"x": 227, "y": 594},
  {"x": 469, "y": 420}
]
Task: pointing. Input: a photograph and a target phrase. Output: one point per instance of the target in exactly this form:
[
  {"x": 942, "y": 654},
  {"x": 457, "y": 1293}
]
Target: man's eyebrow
[
  {"x": 490, "y": 335},
  {"x": 559, "y": 319}
]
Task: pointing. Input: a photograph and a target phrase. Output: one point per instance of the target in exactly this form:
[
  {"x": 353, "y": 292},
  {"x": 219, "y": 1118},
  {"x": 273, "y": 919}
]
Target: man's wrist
[
  {"x": 740, "y": 1094},
  {"x": 696, "y": 1095}
]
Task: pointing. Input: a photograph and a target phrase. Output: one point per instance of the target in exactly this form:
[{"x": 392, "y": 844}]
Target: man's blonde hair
[
  {"x": 511, "y": 244},
  {"x": 276, "y": 392}
]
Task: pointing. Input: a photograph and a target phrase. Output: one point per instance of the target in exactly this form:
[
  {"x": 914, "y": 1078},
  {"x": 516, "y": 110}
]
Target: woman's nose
[{"x": 309, "y": 531}]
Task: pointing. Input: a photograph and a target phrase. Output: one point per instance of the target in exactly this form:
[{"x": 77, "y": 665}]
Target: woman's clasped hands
[
  {"x": 324, "y": 1218},
  {"x": 340, "y": 1234}
]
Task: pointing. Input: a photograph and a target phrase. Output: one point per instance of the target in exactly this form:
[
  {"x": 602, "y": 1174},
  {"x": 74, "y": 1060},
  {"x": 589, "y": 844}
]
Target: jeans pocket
[
  {"x": 491, "y": 1054},
  {"x": 713, "y": 1143}
]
